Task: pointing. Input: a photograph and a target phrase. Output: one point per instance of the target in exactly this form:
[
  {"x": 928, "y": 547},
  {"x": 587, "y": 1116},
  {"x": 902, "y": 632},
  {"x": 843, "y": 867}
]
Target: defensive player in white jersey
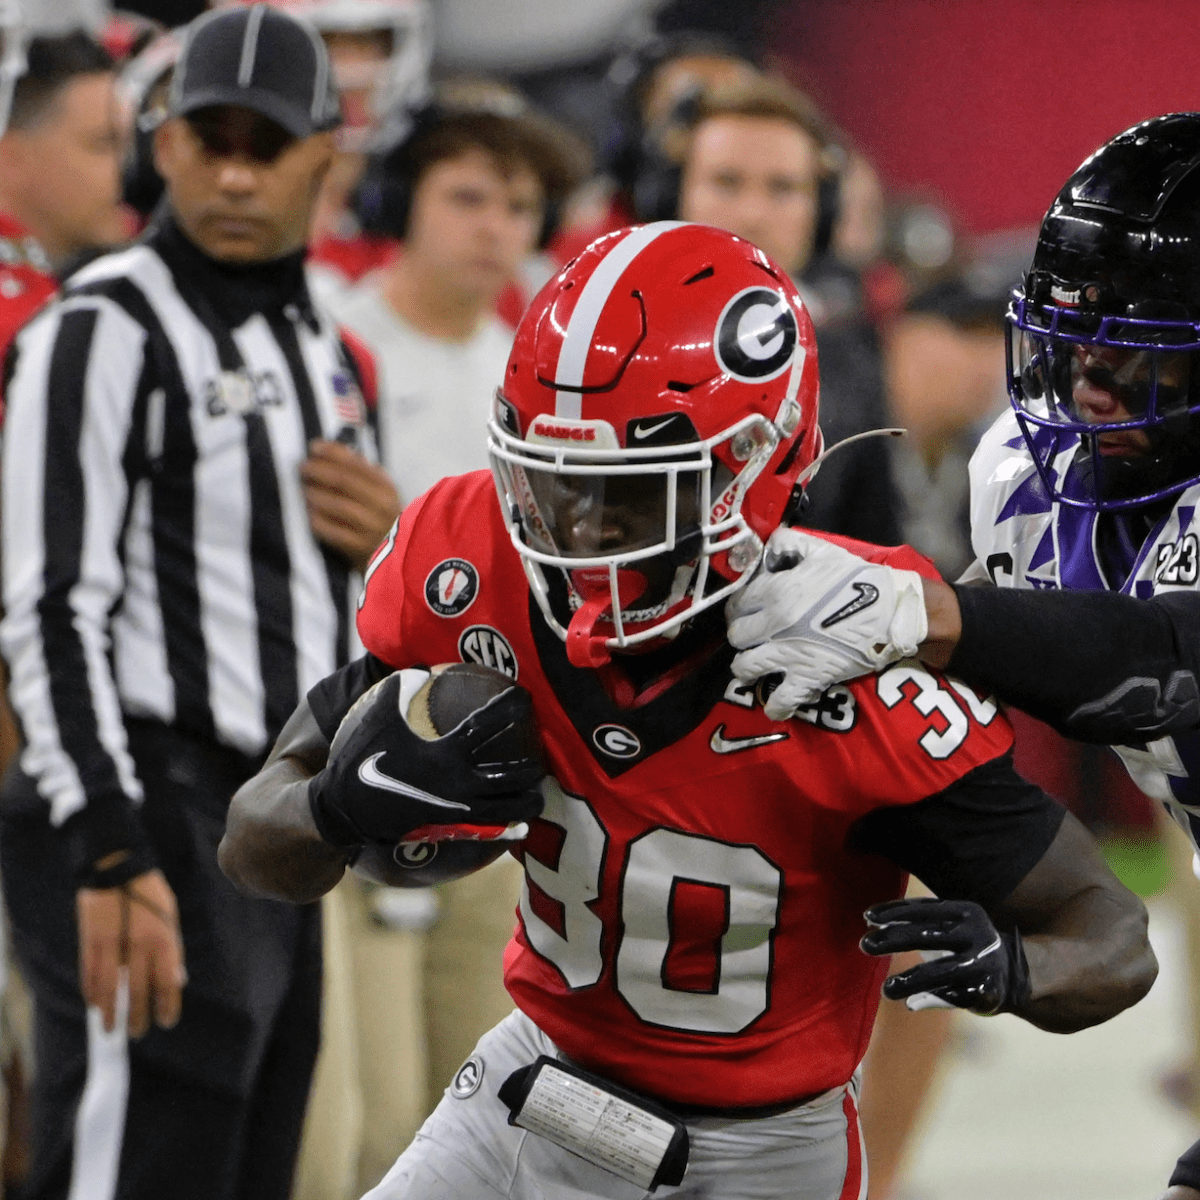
[
  {"x": 1083, "y": 502},
  {"x": 687, "y": 965}
]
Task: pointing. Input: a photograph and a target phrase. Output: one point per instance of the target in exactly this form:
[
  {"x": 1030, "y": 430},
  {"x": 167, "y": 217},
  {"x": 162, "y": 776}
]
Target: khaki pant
[{"x": 404, "y": 1006}]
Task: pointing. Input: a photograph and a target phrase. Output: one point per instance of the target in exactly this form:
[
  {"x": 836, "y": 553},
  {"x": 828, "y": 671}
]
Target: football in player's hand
[{"x": 440, "y": 853}]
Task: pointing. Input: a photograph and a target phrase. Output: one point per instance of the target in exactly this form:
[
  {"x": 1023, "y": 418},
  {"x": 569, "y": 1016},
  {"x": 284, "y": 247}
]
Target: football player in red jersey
[{"x": 692, "y": 1000}]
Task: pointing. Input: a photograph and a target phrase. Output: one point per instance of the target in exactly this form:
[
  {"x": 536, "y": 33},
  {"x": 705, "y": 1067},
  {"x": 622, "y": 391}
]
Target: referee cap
[{"x": 259, "y": 58}]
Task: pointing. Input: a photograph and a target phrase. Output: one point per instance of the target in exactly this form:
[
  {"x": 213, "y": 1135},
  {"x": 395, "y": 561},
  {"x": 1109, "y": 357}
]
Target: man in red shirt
[
  {"x": 59, "y": 171},
  {"x": 691, "y": 997}
]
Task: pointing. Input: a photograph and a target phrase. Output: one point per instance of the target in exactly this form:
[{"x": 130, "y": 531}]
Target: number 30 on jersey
[{"x": 658, "y": 864}]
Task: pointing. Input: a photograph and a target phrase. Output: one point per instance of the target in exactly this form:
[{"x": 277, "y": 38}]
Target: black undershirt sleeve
[
  {"x": 330, "y": 700},
  {"x": 1187, "y": 1169},
  {"x": 1097, "y": 666},
  {"x": 976, "y": 840}
]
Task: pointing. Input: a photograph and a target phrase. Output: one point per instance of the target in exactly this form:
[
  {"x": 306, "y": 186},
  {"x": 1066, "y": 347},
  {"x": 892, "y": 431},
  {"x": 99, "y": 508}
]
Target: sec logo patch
[
  {"x": 489, "y": 648},
  {"x": 451, "y": 587},
  {"x": 616, "y": 741}
]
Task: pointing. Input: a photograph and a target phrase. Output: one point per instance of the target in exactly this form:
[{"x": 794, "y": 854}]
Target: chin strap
[{"x": 585, "y": 648}]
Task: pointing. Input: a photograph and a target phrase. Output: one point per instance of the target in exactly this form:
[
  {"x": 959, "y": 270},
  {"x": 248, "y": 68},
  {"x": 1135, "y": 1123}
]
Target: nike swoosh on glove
[
  {"x": 383, "y": 780},
  {"x": 818, "y": 615},
  {"x": 976, "y": 967}
]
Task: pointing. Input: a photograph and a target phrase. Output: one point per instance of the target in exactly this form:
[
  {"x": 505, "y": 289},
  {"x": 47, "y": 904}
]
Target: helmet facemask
[
  {"x": 645, "y": 537},
  {"x": 659, "y": 404},
  {"x": 1120, "y": 387}
]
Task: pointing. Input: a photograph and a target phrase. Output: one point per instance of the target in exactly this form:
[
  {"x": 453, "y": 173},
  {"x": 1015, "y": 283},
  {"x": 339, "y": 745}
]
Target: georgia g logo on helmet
[{"x": 756, "y": 335}]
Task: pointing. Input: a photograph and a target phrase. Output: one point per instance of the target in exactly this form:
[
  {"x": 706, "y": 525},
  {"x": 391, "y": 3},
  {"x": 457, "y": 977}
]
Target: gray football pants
[{"x": 467, "y": 1150}]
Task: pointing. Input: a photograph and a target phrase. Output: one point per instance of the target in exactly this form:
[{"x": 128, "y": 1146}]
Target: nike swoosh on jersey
[
  {"x": 868, "y": 593},
  {"x": 372, "y": 776},
  {"x": 723, "y": 745},
  {"x": 645, "y": 431}
]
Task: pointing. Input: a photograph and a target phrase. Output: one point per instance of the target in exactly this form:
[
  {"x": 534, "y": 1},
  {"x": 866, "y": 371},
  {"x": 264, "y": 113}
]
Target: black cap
[{"x": 257, "y": 58}]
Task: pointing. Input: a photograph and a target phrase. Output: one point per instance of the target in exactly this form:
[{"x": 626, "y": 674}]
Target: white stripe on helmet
[{"x": 572, "y": 354}]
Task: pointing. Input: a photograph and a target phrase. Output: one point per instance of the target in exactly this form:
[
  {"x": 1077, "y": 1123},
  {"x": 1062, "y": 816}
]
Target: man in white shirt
[{"x": 469, "y": 194}]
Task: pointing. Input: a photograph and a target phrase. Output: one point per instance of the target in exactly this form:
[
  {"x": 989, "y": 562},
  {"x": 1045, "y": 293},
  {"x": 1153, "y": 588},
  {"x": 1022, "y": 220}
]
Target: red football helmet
[{"x": 658, "y": 408}]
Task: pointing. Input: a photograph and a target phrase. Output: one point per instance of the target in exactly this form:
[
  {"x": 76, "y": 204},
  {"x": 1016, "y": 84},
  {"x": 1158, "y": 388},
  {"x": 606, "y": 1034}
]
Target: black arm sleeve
[
  {"x": 1097, "y": 666},
  {"x": 330, "y": 700},
  {"x": 976, "y": 840},
  {"x": 1187, "y": 1169}
]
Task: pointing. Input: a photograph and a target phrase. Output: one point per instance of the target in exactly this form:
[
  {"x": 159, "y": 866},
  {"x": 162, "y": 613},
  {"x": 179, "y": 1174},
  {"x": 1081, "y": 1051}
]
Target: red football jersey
[
  {"x": 690, "y": 919},
  {"x": 26, "y": 279},
  {"x": 354, "y": 255}
]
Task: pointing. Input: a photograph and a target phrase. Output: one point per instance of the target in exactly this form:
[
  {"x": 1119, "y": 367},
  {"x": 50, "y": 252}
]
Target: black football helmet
[{"x": 1104, "y": 334}]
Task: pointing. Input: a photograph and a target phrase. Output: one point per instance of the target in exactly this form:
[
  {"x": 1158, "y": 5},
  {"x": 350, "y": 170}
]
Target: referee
[{"x": 185, "y": 503}]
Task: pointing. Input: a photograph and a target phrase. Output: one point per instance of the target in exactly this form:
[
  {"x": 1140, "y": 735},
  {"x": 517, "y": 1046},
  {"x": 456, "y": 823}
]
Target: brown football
[{"x": 452, "y": 693}]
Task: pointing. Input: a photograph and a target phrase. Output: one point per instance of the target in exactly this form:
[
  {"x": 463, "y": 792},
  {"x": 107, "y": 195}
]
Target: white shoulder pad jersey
[{"x": 1023, "y": 538}]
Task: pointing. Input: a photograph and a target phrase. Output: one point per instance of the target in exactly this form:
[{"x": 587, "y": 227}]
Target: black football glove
[
  {"x": 979, "y": 968},
  {"x": 385, "y": 780}
]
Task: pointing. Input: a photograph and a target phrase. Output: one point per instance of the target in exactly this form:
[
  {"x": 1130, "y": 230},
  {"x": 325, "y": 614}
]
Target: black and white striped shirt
[{"x": 157, "y": 555}]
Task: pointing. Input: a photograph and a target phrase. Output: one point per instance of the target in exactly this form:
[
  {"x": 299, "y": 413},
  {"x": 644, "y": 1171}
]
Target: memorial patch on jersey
[
  {"x": 489, "y": 648},
  {"x": 616, "y": 741},
  {"x": 451, "y": 587}
]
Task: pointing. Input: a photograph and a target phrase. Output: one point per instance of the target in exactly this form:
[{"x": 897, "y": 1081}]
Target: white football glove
[{"x": 819, "y": 615}]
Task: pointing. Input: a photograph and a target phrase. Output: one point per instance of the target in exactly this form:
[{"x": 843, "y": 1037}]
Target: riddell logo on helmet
[{"x": 572, "y": 433}]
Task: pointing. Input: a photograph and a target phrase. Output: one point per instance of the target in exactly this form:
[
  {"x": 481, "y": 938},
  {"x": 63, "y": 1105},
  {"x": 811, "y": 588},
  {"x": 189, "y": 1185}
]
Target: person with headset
[
  {"x": 758, "y": 159},
  {"x": 468, "y": 195},
  {"x": 704, "y": 134},
  {"x": 648, "y": 87}
]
